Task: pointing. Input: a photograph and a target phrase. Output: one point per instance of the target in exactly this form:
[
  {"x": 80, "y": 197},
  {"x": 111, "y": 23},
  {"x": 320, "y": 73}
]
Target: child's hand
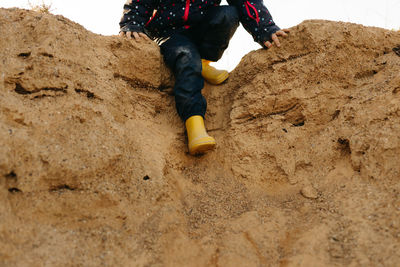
[
  {"x": 135, "y": 35},
  {"x": 275, "y": 38}
]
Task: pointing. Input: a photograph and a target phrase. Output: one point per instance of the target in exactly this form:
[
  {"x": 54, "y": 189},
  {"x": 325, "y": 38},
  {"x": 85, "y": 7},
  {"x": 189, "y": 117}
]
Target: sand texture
[{"x": 94, "y": 167}]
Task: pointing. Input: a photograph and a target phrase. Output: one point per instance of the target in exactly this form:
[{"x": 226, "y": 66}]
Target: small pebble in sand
[{"x": 309, "y": 192}]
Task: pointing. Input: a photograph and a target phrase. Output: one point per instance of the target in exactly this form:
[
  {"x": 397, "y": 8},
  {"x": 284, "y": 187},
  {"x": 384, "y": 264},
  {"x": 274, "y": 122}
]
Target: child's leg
[
  {"x": 217, "y": 30},
  {"x": 183, "y": 57},
  {"x": 212, "y": 37}
]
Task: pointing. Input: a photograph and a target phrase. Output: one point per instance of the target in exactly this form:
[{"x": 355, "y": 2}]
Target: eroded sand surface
[{"x": 94, "y": 169}]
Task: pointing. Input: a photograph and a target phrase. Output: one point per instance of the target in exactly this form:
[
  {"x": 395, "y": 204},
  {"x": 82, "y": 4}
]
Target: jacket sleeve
[
  {"x": 256, "y": 19},
  {"x": 136, "y": 14}
]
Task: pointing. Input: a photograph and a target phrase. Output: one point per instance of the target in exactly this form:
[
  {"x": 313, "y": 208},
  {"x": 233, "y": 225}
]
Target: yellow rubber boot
[
  {"x": 211, "y": 74},
  {"x": 199, "y": 140}
]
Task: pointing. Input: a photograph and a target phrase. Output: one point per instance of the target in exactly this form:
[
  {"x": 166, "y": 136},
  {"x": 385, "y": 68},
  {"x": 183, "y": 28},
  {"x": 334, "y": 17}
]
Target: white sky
[{"x": 102, "y": 17}]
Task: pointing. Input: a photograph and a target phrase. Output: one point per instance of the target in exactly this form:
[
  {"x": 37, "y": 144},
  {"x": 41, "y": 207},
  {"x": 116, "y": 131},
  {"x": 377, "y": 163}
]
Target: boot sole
[
  {"x": 201, "y": 148},
  {"x": 219, "y": 80}
]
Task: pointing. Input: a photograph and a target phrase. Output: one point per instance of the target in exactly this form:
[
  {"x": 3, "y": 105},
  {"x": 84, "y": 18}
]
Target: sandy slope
[{"x": 94, "y": 169}]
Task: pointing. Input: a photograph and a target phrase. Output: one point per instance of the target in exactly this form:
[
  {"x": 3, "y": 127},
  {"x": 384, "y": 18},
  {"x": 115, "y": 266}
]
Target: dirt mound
[{"x": 94, "y": 168}]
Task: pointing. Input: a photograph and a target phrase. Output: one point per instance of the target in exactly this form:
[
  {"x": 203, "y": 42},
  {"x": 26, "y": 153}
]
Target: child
[{"x": 191, "y": 33}]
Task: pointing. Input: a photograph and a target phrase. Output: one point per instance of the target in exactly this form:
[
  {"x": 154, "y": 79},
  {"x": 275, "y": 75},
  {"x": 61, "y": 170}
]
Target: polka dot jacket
[{"x": 162, "y": 18}]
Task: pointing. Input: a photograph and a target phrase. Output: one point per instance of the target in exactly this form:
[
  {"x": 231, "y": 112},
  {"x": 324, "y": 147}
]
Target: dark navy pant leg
[
  {"x": 182, "y": 56},
  {"x": 217, "y": 30}
]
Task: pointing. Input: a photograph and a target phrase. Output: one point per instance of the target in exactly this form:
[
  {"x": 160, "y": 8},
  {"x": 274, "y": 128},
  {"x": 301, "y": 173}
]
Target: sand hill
[{"x": 94, "y": 169}]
